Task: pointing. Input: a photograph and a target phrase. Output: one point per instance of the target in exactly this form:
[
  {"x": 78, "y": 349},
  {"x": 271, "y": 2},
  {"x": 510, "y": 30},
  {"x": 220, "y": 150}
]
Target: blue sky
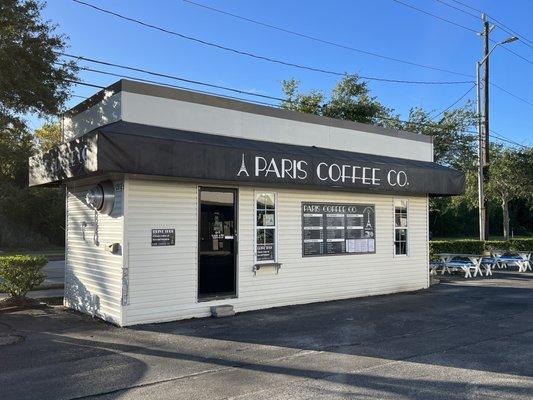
[{"x": 381, "y": 26}]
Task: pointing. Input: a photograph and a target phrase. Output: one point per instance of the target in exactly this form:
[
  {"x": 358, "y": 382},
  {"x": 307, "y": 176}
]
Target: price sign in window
[{"x": 265, "y": 226}]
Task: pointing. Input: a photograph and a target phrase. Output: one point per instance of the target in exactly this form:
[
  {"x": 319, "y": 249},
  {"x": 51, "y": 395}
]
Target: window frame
[
  {"x": 257, "y": 193},
  {"x": 395, "y": 203}
]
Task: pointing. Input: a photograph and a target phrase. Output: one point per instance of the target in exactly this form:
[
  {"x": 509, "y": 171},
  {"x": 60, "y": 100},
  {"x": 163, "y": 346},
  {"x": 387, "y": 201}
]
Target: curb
[{"x": 49, "y": 287}]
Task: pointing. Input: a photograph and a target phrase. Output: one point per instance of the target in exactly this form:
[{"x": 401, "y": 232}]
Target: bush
[
  {"x": 476, "y": 246},
  {"x": 32, "y": 218},
  {"x": 455, "y": 246},
  {"x": 497, "y": 244},
  {"x": 20, "y": 274},
  {"x": 522, "y": 244}
]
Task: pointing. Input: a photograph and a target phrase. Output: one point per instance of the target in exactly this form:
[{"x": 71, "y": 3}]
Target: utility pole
[
  {"x": 486, "y": 160},
  {"x": 483, "y": 125},
  {"x": 481, "y": 148}
]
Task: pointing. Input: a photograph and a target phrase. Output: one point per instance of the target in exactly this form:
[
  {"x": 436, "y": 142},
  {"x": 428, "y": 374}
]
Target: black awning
[{"x": 124, "y": 147}]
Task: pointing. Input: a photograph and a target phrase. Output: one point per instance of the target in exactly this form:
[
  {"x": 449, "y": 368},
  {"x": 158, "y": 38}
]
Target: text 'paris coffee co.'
[
  {"x": 313, "y": 172},
  {"x": 185, "y": 202}
]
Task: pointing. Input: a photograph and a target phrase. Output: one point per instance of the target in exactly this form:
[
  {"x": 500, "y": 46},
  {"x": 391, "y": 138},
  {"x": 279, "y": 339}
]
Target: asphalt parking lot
[{"x": 464, "y": 339}]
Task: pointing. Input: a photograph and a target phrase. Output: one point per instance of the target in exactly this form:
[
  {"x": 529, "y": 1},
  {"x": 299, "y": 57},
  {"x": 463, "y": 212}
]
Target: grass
[
  {"x": 477, "y": 238},
  {"x": 50, "y": 252}
]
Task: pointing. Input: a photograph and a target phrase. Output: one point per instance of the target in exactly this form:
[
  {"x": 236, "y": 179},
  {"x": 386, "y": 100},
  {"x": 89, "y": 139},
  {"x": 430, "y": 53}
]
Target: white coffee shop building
[{"x": 178, "y": 202}]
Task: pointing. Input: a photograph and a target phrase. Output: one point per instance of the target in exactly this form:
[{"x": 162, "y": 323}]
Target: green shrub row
[
  {"x": 477, "y": 246},
  {"x": 20, "y": 274}
]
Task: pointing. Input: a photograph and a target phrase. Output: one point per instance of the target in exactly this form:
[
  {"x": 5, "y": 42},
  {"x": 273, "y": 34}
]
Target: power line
[
  {"x": 333, "y": 43},
  {"x": 455, "y": 102},
  {"x": 434, "y": 126},
  {"x": 503, "y": 138},
  {"x": 256, "y": 102},
  {"x": 320, "y": 40},
  {"x": 142, "y": 23},
  {"x": 503, "y": 27},
  {"x": 237, "y": 98},
  {"x": 435, "y": 16},
  {"x": 75, "y": 82},
  {"x": 186, "y": 80},
  {"x": 145, "y": 71},
  {"x": 158, "y": 83},
  {"x": 459, "y": 9},
  {"x": 142, "y": 70},
  {"x": 501, "y": 24},
  {"x": 458, "y": 25},
  {"x": 511, "y": 94},
  {"x": 211, "y": 93},
  {"x": 260, "y": 57},
  {"x": 507, "y": 49}
]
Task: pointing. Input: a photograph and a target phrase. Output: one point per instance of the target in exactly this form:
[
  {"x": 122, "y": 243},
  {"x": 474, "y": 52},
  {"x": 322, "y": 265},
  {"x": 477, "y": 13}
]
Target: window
[
  {"x": 400, "y": 227},
  {"x": 265, "y": 227}
]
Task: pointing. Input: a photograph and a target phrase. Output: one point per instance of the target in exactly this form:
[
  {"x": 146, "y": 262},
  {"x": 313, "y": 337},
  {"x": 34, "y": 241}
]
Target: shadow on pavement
[{"x": 427, "y": 344}]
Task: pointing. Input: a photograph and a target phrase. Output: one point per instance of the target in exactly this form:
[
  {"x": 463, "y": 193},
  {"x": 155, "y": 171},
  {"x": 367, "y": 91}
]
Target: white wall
[
  {"x": 93, "y": 276},
  {"x": 102, "y": 113},
  {"x": 176, "y": 114},
  {"x": 163, "y": 280}
]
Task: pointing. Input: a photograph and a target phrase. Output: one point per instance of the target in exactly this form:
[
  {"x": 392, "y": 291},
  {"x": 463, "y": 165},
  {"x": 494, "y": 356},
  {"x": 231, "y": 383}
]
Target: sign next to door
[{"x": 163, "y": 237}]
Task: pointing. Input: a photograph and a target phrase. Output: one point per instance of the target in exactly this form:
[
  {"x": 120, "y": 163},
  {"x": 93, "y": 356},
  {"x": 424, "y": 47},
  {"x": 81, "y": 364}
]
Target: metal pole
[
  {"x": 486, "y": 127},
  {"x": 480, "y": 158}
]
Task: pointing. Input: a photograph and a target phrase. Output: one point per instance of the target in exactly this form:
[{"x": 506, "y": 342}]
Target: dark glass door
[{"x": 217, "y": 243}]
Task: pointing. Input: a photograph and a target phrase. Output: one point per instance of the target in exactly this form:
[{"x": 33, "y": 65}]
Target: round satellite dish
[{"x": 101, "y": 197}]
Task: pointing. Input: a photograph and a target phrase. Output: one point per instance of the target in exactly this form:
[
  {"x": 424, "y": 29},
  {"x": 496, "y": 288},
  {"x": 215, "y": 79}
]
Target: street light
[
  {"x": 510, "y": 40},
  {"x": 484, "y": 136}
]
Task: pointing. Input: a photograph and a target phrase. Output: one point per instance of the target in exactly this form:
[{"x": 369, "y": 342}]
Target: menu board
[{"x": 338, "y": 228}]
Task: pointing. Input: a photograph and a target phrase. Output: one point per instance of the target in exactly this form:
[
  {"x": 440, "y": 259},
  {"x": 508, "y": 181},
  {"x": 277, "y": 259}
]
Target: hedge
[
  {"x": 20, "y": 274},
  {"x": 470, "y": 246}
]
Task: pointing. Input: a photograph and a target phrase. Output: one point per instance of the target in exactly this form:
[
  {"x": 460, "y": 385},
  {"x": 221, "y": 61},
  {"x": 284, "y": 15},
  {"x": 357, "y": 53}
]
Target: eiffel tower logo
[
  {"x": 368, "y": 211},
  {"x": 243, "y": 168}
]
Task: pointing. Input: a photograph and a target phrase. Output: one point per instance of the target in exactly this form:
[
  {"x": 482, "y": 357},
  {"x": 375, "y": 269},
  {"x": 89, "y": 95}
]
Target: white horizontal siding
[
  {"x": 93, "y": 276},
  {"x": 163, "y": 280}
]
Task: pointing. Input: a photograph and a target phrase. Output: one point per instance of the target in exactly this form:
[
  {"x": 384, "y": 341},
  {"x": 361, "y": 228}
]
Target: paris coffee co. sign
[{"x": 273, "y": 169}]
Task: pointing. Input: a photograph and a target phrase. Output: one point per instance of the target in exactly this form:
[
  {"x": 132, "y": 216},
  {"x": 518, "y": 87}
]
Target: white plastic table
[
  {"x": 524, "y": 263},
  {"x": 526, "y": 260},
  {"x": 475, "y": 263}
]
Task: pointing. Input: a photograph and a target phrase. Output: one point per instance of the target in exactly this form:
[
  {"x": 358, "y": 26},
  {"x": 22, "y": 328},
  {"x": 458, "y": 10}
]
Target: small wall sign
[
  {"x": 265, "y": 252},
  {"x": 163, "y": 237}
]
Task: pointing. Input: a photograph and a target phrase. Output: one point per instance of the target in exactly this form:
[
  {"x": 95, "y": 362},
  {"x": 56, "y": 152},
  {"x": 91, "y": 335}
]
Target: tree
[
  {"x": 48, "y": 136},
  {"x": 16, "y": 146},
  {"x": 510, "y": 178},
  {"x": 32, "y": 78},
  {"x": 30, "y": 217},
  {"x": 349, "y": 100},
  {"x": 454, "y": 146}
]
